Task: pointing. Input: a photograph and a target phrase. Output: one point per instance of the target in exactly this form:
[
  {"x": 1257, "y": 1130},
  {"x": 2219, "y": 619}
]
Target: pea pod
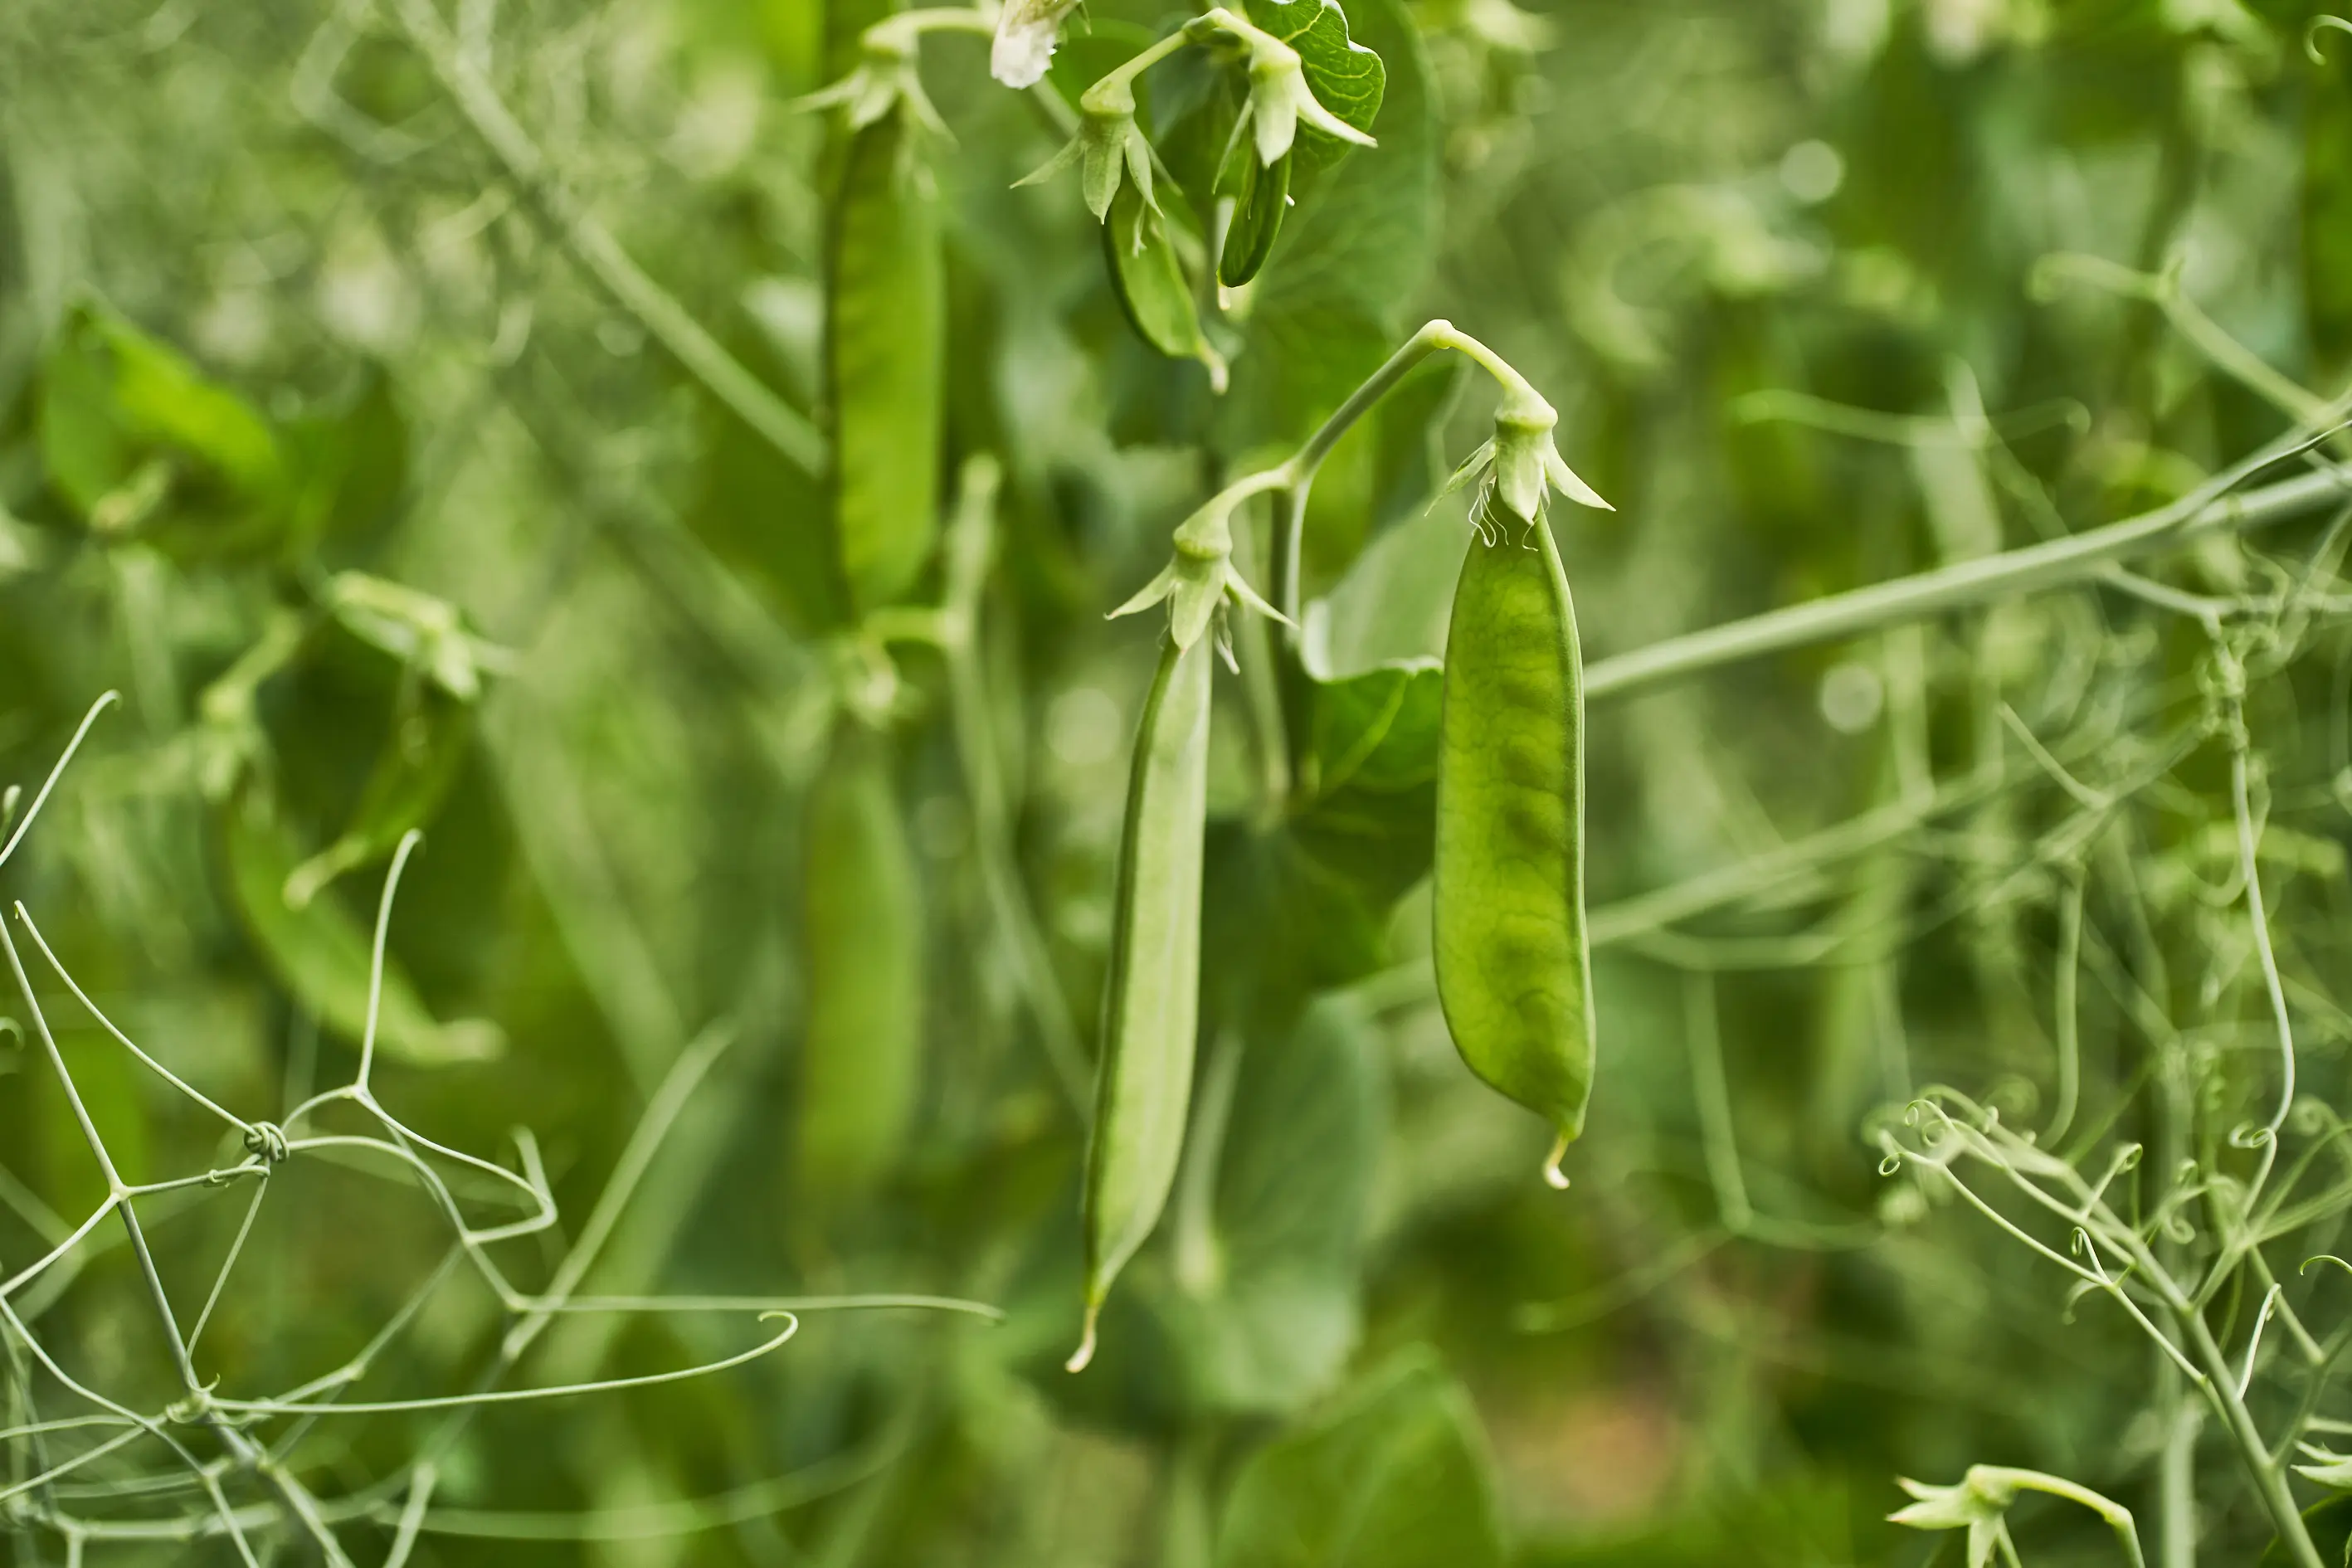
[
  {"x": 885, "y": 346},
  {"x": 1149, "y": 281},
  {"x": 1514, "y": 970},
  {"x": 862, "y": 933},
  {"x": 1261, "y": 195},
  {"x": 1144, "y": 1083},
  {"x": 321, "y": 955}
]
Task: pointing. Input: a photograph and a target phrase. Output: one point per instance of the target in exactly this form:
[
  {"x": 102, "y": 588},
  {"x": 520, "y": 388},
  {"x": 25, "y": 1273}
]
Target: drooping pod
[
  {"x": 1144, "y": 1084},
  {"x": 1151, "y": 284},
  {"x": 1514, "y": 968},
  {"x": 862, "y": 939}
]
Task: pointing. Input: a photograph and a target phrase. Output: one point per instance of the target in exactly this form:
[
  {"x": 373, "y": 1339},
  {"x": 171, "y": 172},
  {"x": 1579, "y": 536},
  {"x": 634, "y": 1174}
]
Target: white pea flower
[{"x": 1026, "y": 31}]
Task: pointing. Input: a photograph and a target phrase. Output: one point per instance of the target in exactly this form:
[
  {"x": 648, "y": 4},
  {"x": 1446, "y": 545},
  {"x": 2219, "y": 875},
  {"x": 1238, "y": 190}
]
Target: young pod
[
  {"x": 1514, "y": 971},
  {"x": 1149, "y": 281},
  {"x": 862, "y": 942},
  {"x": 1144, "y": 1083},
  {"x": 1260, "y": 194}
]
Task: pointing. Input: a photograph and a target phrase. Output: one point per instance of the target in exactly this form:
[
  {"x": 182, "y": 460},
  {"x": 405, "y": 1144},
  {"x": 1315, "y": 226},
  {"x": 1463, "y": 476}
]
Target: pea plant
[{"x": 670, "y": 677}]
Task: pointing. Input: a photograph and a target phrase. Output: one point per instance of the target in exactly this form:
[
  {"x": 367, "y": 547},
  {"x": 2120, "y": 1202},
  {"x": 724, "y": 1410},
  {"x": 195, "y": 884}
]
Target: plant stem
[
  {"x": 594, "y": 246},
  {"x": 2221, "y": 1387},
  {"x": 1113, "y": 92},
  {"x": 1982, "y": 580}
]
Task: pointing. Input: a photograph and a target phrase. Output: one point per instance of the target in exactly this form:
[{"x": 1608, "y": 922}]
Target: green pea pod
[
  {"x": 1143, "y": 1081},
  {"x": 885, "y": 349},
  {"x": 321, "y": 955},
  {"x": 420, "y": 761},
  {"x": 862, "y": 936},
  {"x": 1261, "y": 195},
  {"x": 1514, "y": 968},
  {"x": 1149, "y": 281}
]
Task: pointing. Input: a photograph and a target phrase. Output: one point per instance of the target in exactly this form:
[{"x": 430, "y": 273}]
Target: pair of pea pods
[{"x": 1513, "y": 972}]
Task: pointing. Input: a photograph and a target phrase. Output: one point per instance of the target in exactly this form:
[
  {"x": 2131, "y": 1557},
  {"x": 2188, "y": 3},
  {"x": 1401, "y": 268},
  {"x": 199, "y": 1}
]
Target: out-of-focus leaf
[
  {"x": 322, "y": 956},
  {"x": 136, "y": 441},
  {"x": 349, "y": 464},
  {"x": 2329, "y": 1522},
  {"x": 1394, "y": 1476},
  {"x": 1274, "y": 1312}
]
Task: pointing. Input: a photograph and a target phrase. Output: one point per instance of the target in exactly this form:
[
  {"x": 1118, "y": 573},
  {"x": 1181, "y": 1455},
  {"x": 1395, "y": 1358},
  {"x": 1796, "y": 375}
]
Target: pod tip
[
  {"x": 1086, "y": 1351},
  {"x": 1554, "y": 1177}
]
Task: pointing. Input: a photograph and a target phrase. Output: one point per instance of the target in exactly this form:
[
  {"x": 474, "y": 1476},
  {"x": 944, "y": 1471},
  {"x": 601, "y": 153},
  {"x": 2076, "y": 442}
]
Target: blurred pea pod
[
  {"x": 321, "y": 955},
  {"x": 862, "y": 939},
  {"x": 1144, "y": 1084},
  {"x": 885, "y": 348},
  {"x": 1513, "y": 965}
]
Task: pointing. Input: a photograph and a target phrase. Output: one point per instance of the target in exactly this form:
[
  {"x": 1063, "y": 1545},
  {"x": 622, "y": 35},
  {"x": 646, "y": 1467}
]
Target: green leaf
[
  {"x": 321, "y": 955},
  {"x": 1393, "y": 1476},
  {"x": 2329, "y": 1522},
  {"x": 349, "y": 463},
  {"x": 1355, "y": 253},
  {"x": 1346, "y": 78},
  {"x": 136, "y": 441},
  {"x": 1264, "y": 1308},
  {"x": 1304, "y": 906}
]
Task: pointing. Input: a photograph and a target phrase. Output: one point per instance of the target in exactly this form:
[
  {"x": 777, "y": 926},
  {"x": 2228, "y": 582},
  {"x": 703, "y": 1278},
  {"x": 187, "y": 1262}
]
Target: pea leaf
[
  {"x": 135, "y": 440},
  {"x": 1393, "y": 1476},
  {"x": 1346, "y": 78},
  {"x": 322, "y": 955},
  {"x": 1330, "y": 308},
  {"x": 1304, "y": 906},
  {"x": 1273, "y": 1309}
]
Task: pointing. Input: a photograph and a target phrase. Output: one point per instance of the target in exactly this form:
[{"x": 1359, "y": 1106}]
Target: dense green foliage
[{"x": 674, "y": 457}]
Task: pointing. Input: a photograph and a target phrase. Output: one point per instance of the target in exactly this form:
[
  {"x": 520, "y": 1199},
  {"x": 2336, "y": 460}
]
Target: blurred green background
[{"x": 1781, "y": 265}]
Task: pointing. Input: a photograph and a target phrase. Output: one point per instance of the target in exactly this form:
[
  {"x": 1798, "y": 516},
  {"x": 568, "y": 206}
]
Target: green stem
[
  {"x": 1986, "y": 578},
  {"x": 1113, "y": 92},
  {"x": 2221, "y": 1389},
  {"x": 594, "y": 246}
]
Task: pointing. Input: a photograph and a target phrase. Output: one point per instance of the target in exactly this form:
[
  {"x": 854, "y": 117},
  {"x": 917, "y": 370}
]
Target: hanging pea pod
[
  {"x": 431, "y": 732},
  {"x": 1260, "y": 194},
  {"x": 1143, "y": 1085},
  {"x": 321, "y": 955},
  {"x": 861, "y": 941},
  {"x": 1514, "y": 970},
  {"x": 885, "y": 350},
  {"x": 1149, "y": 282}
]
